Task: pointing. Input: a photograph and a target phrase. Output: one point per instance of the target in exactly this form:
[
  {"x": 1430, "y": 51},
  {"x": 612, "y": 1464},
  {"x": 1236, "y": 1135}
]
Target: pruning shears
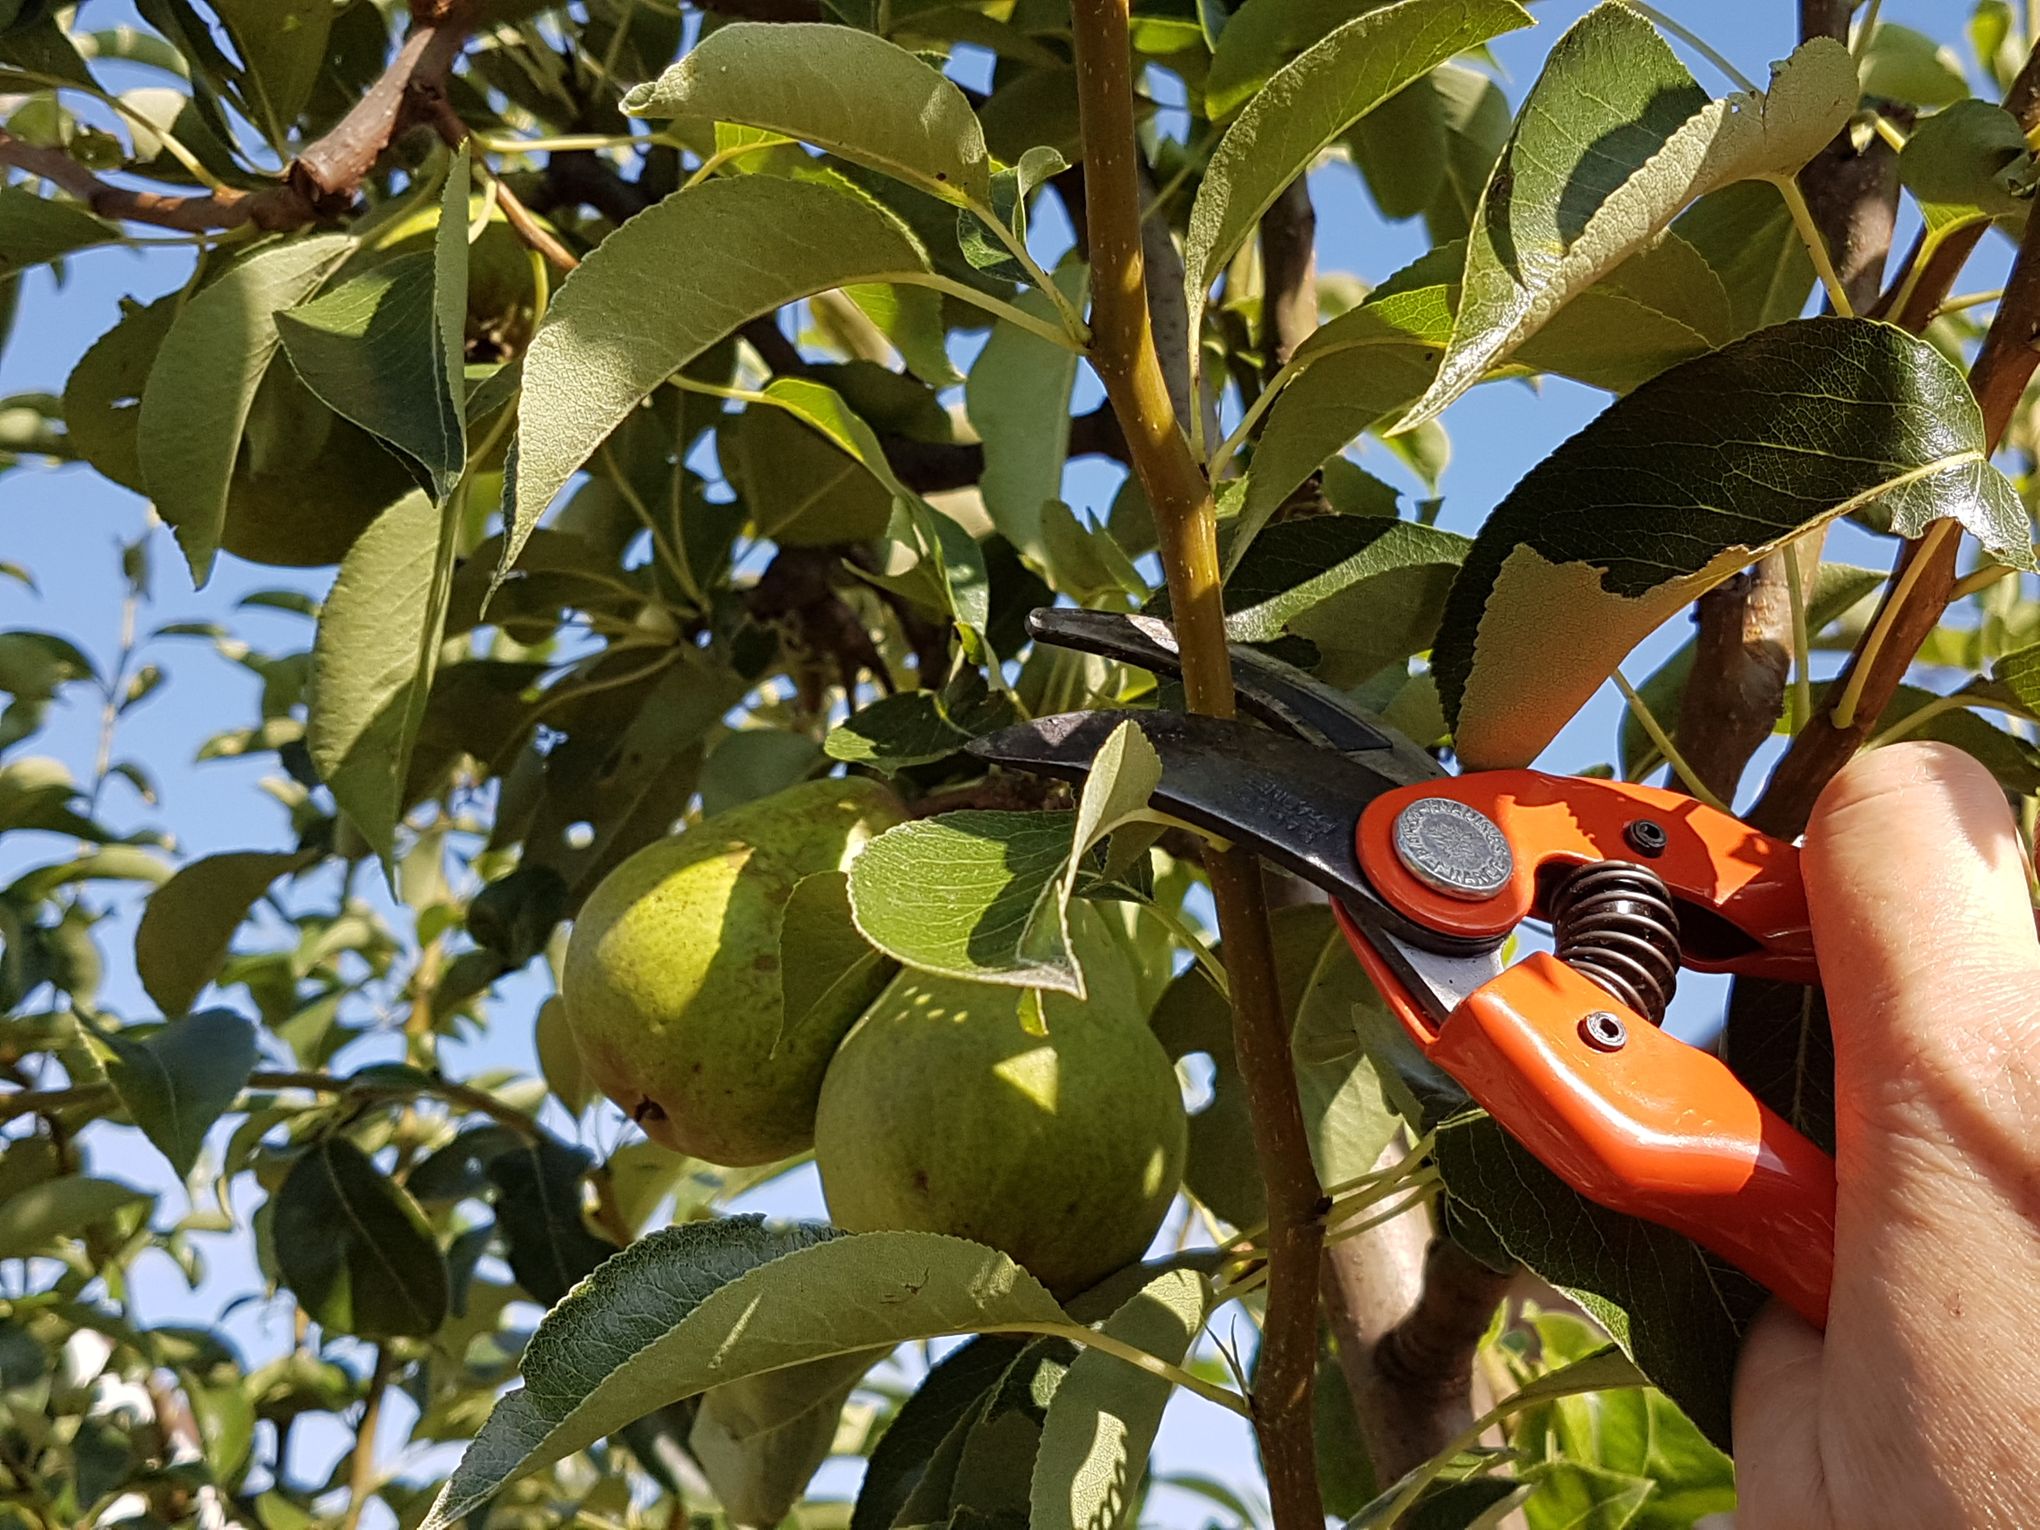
[{"x": 1430, "y": 873}]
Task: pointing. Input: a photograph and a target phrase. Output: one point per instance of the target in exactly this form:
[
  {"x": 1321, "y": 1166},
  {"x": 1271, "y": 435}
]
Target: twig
[
  {"x": 23, "y": 1102},
  {"x": 1123, "y": 352},
  {"x": 361, "y": 1468},
  {"x": 320, "y": 183}
]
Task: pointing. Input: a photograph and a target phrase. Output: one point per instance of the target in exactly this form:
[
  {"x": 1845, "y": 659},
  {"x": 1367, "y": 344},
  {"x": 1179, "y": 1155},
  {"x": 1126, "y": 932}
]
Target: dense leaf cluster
[{"x": 647, "y": 410}]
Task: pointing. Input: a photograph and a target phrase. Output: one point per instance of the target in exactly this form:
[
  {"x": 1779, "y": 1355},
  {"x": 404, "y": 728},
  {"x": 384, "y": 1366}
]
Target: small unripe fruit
[
  {"x": 942, "y": 1113},
  {"x": 672, "y": 983}
]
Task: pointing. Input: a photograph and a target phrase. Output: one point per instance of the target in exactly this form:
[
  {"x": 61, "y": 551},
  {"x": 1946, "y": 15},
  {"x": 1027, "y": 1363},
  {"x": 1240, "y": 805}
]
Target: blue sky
[{"x": 67, "y": 526}]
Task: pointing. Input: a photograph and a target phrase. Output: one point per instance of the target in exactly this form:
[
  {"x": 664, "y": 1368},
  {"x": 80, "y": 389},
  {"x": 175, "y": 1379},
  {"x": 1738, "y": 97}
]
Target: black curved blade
[
  {"x": 1293, "y": 802},
  {"x": 1277, "y": 693}
]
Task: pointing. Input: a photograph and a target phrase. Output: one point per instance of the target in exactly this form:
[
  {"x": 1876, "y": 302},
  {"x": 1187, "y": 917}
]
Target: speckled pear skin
[
  {"x": 672, "y": 974},
  {"x": 940, "y": 1113}
]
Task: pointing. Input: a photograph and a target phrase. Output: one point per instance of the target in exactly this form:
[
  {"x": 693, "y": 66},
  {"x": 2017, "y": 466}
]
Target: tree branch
[
  {"x": 1123, "y": 352},
  {"x": 1917, "y": 596},
  {"x": 1743, "y": 649},
  {"x": 24, "y": 1102},
  {"x": 321, "y": 183}
]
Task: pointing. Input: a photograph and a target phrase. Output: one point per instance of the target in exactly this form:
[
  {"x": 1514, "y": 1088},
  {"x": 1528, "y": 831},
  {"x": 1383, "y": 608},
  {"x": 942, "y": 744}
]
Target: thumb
[{"x": 1925, "y": 936}]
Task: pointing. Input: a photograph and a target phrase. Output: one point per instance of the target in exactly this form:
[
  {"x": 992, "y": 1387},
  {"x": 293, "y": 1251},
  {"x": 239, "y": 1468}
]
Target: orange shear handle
[{"x": 1651, "y": 1127}]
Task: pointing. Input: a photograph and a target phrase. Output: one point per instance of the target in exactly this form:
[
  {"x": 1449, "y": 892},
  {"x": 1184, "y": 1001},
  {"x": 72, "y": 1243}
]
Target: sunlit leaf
[
  {"x": 1612, "y": 141},
  {"x": 713, "y": 1302},
  {"x": 1722, "y": 453}
]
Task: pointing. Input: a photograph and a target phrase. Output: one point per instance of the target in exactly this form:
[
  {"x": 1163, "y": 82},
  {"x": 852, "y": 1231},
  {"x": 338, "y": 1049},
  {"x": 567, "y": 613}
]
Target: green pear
[
  {"x": 943, "y": 1113},
  {"x": 672, "y": 982}
]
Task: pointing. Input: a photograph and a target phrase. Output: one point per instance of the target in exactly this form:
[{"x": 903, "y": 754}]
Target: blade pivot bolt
[
  {"x": 1453, "y": 848},
  {"x": 1603, "y": 1031},
  {"x": 1647, "y": 837}
]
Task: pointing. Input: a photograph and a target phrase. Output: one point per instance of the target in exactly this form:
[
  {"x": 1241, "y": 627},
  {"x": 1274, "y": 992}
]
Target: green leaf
[
  {"x": 760, "y": 1440},
  {"x": 897, "y": 733},
  {"x": 953, "y": 1389},
  {"x": 1746, "y": 235},
  {"x": 1723, "y": 459},
  {"x": 1261, "y": 37},
  {"x": 1614, "y": 138},
  {"x": 825, "y": 967},
  {"x": 385, "y": 349},
  {"x": 1018, "y": 396},
  {"x": 1366, "y": 590},
  {"x": 283, "y": 45},
  {"x": 559, "y": 1059},
  {"x": 709, "y": 1303},
  {"x": 1573, "y": 1496},
  {"x": 1900, "y": 64},
  {"x": 970, "y": 895},
  {"x": 179, "y": 1078},
  {"x": 1102, "y": 1421},
  {"x": 843, "y": 90},
  {"x": 1635, "y": 1433},
  {"x": 184, "y": 933},
  {"x": 1676, "y": 1310},
  {"x": 538, "y": 1197},
  {"x": 1399, "y": 148},
  {"x": 370, "y": 663},
  {"x": 1476, "y": 129},
  {"x": 994, "y": 1464},
  {"x": 628, "y": 318},
  {"x": 1599, "y": 1371},
  {"x": 2019, "y": 673},
  {"x": 1308, "y": 104},
  {"x": 1124, "y": 774},
  {"x": 1086, "y": 561},
  {"x": 203, "y": 383},
  {"x": 35, "y": 229},
  {"x": 1661, "y": 306},
  {"x": 33, "y": 1218},
  {"x": 1967, "y": 165},
  {"x": 354, "y": 1248},
  {"x": 911, "y": 318},
  {"x": 800, "y": 489},
  {"x": 1011, "y": 187}
]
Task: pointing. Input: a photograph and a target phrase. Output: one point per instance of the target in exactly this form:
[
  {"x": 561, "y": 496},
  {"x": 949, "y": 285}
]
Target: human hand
[{"x": 1920, "y": 1406}]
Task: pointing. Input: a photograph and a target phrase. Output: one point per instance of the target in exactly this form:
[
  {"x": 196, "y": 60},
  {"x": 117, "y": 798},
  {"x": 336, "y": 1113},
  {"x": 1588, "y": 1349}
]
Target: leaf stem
[
  {"x": 1139, "y": 1359},
  {"x": 1055, "y": 334},
  {"x": 1802, "y": 640},
  {"x": 1981, "y": 579},
  {"x": 1072, "y": 321},
  {"x": 1816, "y": 245},
  {"x": 1919, "y": 716},
  {"x": 1662, "y": 741},
  {"x": 1843, "y": 713},
  {"x": 1124, "y": 354}
]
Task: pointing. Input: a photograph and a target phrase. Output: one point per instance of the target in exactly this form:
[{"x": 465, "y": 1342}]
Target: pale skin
[{"x": 1921, "y": 1404}]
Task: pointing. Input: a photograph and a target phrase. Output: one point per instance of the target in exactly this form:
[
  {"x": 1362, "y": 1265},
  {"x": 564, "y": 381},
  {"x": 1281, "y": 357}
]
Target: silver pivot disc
[{"x": 1455, "y": 849}]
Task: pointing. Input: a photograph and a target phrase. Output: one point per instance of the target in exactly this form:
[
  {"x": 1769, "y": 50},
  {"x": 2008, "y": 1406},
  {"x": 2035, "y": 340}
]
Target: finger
[
  {"x": 1777, "y": 1423},
  {"x": 1920, "y": 911}
]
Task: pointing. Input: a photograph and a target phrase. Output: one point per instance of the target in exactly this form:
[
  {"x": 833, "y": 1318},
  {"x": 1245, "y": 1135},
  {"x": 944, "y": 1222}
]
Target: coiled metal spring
[{"x": 1615, "y": 922}]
